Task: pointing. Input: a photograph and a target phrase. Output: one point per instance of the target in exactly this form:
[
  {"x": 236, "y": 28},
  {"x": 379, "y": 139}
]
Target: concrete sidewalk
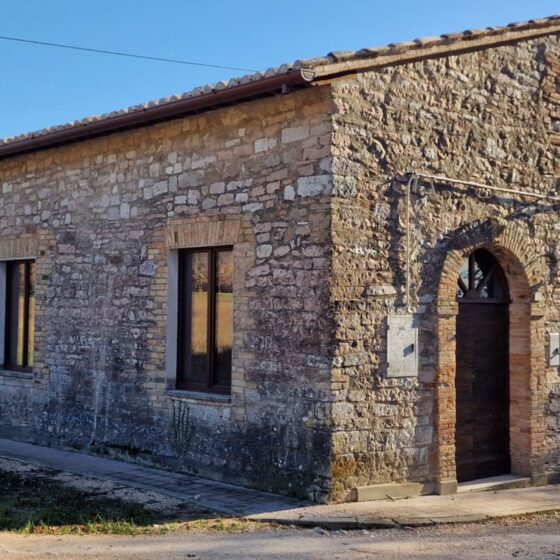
[
  {"x": 424, "y": 510},
  {"x": 260, "y": 506}
]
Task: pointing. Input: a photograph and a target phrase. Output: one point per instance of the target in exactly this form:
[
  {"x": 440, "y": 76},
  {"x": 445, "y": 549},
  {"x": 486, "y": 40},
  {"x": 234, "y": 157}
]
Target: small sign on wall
[
  {"x": 554, "y": 350},
  {"x": 402, "y": 345}
]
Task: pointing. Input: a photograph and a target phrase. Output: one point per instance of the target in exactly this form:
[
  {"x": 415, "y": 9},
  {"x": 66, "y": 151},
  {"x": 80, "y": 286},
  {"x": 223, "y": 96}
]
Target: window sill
[
  {"x": 214, "y": 398},
  {"x": 16, "y": 374}
]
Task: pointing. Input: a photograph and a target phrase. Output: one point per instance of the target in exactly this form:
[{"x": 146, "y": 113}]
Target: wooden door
[{"x": 482, "y": 380}]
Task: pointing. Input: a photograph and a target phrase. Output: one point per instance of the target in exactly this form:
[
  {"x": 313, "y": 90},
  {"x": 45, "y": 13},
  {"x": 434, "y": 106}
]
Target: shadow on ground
[{"x": 32, "y": 503}]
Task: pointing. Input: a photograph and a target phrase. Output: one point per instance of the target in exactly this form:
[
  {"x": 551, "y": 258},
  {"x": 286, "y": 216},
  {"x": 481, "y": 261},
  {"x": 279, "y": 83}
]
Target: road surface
[{"x": 537, "y": 538}]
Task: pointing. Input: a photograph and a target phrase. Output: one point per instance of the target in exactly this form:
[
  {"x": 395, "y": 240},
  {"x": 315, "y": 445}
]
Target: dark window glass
[
  {"x": 195, "y": 318},
  {"x": 205, "y": 319},
  {"x": 20, "y": 315},
  {"x": 481, "y": 278},
  {"x": 224, "y": 318}
]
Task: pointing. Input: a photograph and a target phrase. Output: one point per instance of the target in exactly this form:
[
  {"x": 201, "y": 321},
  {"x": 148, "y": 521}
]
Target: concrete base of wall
[
  {"x": 446, "y": 487},
  {"x": 545, "y": 479},
  {"x": 395, "y": 491}
]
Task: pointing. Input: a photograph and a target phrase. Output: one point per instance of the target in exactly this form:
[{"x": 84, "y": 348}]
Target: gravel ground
[{"x": 536, "y": 537}]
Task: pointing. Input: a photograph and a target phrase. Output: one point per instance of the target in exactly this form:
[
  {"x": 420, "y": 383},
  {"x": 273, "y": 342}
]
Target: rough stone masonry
[{"x": 307, "y": 185}]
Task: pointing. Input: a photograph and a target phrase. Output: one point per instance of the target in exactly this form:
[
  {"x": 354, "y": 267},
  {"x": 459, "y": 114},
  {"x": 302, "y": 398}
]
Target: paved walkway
[
  {"x": 224, "y": 498},
  {"x": 424, "y": 510},
  {"x": 260, "y": 506}
]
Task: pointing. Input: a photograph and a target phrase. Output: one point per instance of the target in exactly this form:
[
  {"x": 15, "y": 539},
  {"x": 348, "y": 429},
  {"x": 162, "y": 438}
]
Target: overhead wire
[{"x": 125, "y": 54}]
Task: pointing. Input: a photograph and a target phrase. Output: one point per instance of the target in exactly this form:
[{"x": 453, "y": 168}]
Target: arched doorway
[{"x": 482, "y": 360}]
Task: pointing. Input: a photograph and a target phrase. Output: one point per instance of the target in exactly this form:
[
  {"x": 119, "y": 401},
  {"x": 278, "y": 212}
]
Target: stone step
[{"x": 503, "y": 482}]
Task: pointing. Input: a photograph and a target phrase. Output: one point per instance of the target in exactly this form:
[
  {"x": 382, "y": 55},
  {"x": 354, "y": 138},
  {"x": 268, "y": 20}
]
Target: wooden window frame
[
  {"x": 9, "y": 326},
  {"x": 180, "y": 383}
]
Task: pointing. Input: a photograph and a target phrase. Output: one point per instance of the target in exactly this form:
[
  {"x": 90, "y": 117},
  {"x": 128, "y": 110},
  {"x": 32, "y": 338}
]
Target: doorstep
[{"x": 503, "y": 482}]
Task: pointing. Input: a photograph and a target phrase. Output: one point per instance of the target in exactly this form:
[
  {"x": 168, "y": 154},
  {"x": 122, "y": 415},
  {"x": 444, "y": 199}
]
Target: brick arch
[{"x": 525, "y": 271}]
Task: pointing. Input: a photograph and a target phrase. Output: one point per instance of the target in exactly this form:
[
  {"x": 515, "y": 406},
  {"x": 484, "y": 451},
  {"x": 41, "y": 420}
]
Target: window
[
  {"x": 482, "y": 280},
  {"x": 20, "y": 315},
  {"x": 205, "y": 320}
]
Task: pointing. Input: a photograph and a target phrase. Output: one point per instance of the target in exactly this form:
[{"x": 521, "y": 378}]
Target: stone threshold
[{"x": 502, "y": 482}]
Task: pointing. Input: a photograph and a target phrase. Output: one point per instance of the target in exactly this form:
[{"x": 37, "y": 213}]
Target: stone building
[{"x": 319, "y": 280}]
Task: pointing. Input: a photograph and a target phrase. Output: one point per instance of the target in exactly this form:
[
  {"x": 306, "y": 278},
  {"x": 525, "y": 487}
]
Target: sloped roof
[{"x": 297, "y": 74}]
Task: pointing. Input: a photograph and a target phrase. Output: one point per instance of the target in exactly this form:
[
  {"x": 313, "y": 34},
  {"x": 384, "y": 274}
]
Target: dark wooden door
[{"x": 482, "y": 380}]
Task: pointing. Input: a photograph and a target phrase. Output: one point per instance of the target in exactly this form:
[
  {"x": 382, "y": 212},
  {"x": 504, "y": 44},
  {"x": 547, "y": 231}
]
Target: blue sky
[{"x": 42, "y": 86}]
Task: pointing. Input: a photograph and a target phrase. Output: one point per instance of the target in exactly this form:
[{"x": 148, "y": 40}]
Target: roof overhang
[
  {"x": 433, "y": 47},
  {"x": 120, "y": 121}
]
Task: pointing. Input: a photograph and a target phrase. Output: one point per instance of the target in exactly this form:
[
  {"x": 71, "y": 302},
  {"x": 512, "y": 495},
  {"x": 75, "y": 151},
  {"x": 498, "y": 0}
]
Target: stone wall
[
  {"x": 105, "y": 214},
  {"x": 551, "y": 113},
  {"x": 488, "y": 116}
]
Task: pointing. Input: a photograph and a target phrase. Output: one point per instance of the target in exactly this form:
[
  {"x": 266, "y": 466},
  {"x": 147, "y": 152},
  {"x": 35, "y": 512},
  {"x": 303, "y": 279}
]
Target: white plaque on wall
[
  {"x": 554, "y": 350},
  {"x": 402, "y": 345}
]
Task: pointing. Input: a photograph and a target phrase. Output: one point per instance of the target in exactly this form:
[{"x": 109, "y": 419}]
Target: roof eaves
[
  {"x": 199, "y": 99},
  {"x": 341, "y": 63}
]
